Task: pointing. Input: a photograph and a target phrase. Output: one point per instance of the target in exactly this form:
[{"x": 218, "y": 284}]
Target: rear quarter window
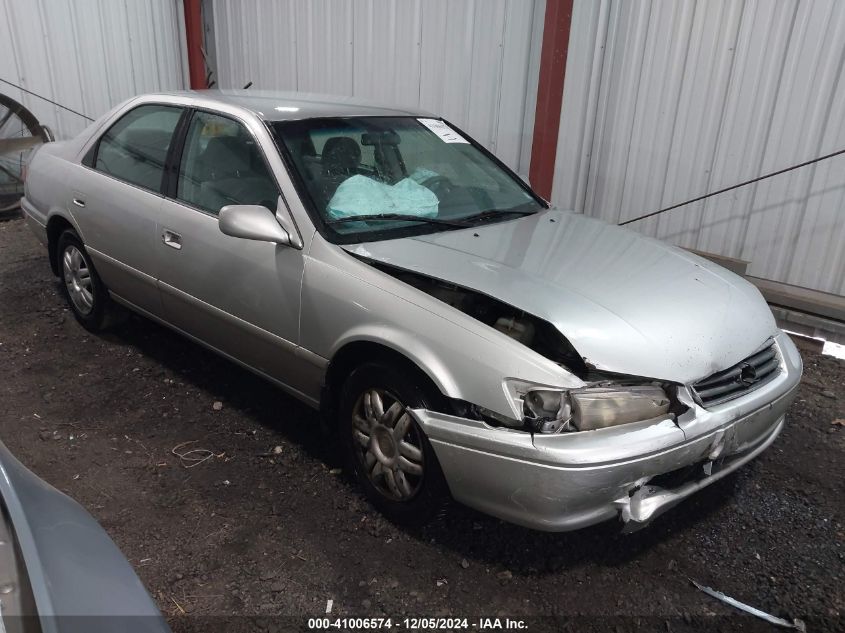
[{"x": 135, "y": 148}]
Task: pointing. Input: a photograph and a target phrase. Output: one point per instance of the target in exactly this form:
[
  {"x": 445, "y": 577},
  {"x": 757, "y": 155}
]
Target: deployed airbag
[{"x": 360, "y": 195}]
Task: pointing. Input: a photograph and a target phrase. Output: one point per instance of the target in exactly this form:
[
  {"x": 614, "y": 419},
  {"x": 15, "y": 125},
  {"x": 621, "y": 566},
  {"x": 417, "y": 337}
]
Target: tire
[
  {"x": 85, "y": 292},
  {"x": 412, "y": 499}
]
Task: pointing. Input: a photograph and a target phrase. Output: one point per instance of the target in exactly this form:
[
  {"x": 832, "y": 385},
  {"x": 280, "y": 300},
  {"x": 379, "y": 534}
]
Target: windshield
[{"x": 372, "y": 178}]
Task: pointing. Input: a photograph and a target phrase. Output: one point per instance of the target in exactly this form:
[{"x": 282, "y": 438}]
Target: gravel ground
[{"x": 257, "y": 532}]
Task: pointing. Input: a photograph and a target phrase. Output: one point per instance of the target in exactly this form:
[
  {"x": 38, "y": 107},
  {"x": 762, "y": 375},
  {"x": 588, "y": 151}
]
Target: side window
[
  {"x": 135, "y": 148},
  {"x": 221, "y": 165}
]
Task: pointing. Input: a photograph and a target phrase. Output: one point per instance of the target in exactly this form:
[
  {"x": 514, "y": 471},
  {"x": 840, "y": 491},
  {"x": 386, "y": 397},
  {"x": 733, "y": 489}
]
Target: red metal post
[
  {"x": 193, "y": 36},
  {"x": 550, "y": 95}
]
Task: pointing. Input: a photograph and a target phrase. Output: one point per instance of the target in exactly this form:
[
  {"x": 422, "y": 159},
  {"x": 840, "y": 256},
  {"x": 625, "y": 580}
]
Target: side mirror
[{"x": 252, "y": 222}]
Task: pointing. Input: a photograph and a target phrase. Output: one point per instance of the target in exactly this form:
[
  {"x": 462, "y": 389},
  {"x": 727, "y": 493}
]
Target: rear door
[
  {"x": 239, "y": 296},
  {"x": 116, "y": 197}
]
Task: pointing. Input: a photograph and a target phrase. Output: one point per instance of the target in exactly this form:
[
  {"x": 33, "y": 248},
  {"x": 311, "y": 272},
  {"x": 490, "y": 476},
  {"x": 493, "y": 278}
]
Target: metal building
[
  {"x": 615, "y": 108},
  {"x": 665, "y": 101},
  {"x": 89, "y": 55},
  {"x": 473, "y": 61}
]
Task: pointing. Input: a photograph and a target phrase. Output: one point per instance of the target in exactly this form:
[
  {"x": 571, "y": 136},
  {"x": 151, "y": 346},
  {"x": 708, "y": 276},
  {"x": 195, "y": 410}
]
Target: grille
[{"x": 742, "y": 378}]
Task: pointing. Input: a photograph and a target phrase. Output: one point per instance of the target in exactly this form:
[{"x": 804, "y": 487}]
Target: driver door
[{"x": 238, "y": 296}]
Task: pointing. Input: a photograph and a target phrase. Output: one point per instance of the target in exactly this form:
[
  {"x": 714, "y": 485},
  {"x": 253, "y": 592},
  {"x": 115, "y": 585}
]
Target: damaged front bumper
[{"x": 571, "y": 480}]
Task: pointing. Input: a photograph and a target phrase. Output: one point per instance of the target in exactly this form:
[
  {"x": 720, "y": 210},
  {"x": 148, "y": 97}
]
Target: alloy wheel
[
  {"x": 388, "y": 445},
  {"x": 77, "y": 277}
]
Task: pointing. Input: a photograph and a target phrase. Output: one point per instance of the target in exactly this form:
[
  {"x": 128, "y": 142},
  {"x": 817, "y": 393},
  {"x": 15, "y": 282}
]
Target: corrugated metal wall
[
  {"x": 665, "y": 101},
  {"x": 475, "y": 62},
  {"x": 88, "y": 54}
]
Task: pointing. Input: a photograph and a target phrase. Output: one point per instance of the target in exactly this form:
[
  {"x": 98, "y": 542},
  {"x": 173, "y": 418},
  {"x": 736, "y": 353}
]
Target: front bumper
[{"x": 572, "y": 480}]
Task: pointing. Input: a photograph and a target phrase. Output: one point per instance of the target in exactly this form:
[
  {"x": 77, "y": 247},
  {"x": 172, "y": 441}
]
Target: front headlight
[{"x": 589, "y": 408}]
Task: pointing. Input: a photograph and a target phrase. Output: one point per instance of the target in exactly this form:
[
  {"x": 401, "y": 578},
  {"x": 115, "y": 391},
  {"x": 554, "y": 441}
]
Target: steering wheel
[{"x": 437, "y": 183}]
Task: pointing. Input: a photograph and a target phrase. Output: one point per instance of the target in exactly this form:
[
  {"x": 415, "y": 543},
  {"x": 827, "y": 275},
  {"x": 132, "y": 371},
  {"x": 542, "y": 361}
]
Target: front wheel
[{"x": 385, "y": 447}]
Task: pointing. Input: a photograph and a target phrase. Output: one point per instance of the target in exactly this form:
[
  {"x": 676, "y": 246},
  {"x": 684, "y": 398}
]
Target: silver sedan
[{"x": 463, "y": 337}]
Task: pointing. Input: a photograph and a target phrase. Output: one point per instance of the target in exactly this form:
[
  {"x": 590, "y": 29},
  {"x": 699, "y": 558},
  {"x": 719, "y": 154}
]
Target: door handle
[
  {"x": 79, "y": 202},
  {"x": 171, "y": 239}
]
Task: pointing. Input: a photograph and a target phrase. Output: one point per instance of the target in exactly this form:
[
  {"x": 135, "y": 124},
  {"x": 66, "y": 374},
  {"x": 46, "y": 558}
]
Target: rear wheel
[
  {"x": 385, "y": 447},
  {"x": 85, "y": 292}
]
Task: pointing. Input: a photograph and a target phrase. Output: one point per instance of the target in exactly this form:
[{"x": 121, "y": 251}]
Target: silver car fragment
[
  {"x": 59, "y": 570},
  {"x": 797, "y": 623},
  {"x": 381, "y": 266}
]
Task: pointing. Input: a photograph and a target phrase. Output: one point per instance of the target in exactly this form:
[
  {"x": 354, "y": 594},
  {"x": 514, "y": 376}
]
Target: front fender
[
  {"x": 345, "y": 300},
  {"x": 402, "y": 342}
]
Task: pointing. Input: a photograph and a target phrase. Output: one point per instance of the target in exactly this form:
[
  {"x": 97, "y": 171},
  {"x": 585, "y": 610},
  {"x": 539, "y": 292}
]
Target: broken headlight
[{"x": 590, "y": 408}]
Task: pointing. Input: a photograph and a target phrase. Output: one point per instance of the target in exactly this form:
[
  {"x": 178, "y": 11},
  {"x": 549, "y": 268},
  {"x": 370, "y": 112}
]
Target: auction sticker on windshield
[{"x": 446, "y": 134}]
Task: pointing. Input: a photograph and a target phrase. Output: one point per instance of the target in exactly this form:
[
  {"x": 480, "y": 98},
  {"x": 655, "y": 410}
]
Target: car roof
[{"x": 282, "y": 106}]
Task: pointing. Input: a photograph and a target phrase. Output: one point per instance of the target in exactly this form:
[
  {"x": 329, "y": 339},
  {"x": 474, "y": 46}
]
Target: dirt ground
[{"x": 252, "y": 533}]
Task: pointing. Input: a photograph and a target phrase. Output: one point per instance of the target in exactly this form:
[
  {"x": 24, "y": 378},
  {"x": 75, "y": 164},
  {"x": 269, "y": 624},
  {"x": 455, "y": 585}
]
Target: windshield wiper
[
  {"x": 494, "y": 213},
  {"x": 397, "y": 216}
]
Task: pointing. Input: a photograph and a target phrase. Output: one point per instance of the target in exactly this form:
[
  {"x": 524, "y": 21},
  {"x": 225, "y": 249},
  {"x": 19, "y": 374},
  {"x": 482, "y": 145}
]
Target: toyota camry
[{"x": 464, "y": 338}]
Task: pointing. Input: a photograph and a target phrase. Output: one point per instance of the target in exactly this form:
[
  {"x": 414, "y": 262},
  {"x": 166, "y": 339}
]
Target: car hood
[{"x": 628, "y": 303}]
